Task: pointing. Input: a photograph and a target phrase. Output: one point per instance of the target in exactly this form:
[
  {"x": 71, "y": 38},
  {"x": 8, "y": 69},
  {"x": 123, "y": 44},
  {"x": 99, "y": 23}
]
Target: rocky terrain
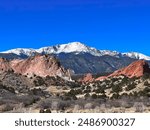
[
  {"x": 41, "y": 84},
  {"x": 40, "y": 65},
  {"x": 136, "y": 69}
]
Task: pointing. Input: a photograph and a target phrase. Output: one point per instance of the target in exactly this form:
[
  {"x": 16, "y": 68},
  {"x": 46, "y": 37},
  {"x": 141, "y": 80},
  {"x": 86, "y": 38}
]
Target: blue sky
[{"x": 122, "y": 25}]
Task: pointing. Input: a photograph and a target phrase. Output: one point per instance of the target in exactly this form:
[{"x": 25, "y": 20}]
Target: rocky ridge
[
  {"x": 40, "y": 65},
  {"x": 135, "y": 69}
]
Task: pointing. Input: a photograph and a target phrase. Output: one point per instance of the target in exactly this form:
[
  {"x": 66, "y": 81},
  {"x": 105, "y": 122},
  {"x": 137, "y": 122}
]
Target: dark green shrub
[
  {"x": 130, "y": 87},
  {"x": 94, "y": 96}
]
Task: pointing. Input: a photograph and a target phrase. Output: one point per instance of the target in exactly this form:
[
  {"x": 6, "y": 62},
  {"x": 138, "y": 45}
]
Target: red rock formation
[
  {"x": 136, "y": 69},
  {"x": 38, "y": 65},
  {"x": 101, "y": 78},
  {"x": 87, "y": 78},
  {"x": 4, "y": 65}
]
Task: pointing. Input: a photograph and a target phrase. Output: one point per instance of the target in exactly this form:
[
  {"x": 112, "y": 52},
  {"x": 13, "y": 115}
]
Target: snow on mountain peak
[
  {"x": 136, "y": 55},
  {"x": 75, "y": 44},
  {"x": 75, "y": 47},
  {"x": 72, "y": 47},
  {"x": 21, "y": 51}
]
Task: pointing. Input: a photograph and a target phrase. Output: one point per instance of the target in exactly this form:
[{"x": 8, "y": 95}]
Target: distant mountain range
[
  {"x": 81, "y": 58},
  {"x": 75, "y": 47}
]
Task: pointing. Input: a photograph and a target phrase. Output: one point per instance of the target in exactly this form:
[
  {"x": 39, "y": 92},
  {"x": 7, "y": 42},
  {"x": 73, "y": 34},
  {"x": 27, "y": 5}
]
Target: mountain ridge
[{"x": 74, "y": 47}]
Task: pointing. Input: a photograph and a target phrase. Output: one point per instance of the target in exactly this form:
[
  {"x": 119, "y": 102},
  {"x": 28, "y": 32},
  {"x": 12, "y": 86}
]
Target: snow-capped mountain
[
  {"x": 136, "y": 55},
  {"x": 76, "y": 47},
  {"x": 22, "y": 51}
]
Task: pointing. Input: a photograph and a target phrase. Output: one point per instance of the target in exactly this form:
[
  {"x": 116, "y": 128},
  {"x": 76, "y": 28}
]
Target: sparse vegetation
[
  {"x": 39, "y": 81},
  {"x": 118, "y": 94}
]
